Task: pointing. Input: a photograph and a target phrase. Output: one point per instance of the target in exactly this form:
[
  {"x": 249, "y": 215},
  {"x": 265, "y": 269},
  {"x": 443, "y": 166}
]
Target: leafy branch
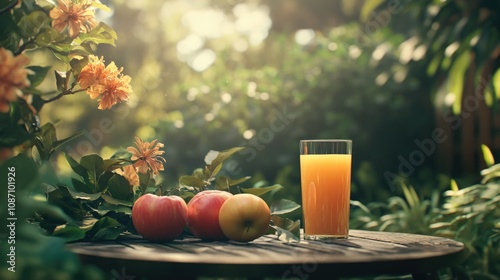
[
  {"x": 208, "y": 178},
  {"x": 66, "y": 92},
  {"x": 99, "y": 200},
  {"x": 9, "y": 7},
  {"x": 23, "y": 47},
  {"x": 203, "y": 178},
  {"x": 95, "y": 203}
]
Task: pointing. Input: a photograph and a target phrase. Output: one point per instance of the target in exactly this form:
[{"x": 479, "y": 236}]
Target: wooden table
[{"x": 364, "y": 253}]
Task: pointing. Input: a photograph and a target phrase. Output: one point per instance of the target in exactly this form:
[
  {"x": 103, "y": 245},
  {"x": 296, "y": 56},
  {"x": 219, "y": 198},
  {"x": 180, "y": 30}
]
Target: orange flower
[
  {"x": 112, "y": 91},
  {"x": 92, "y": 72},
  {"x": 13, "y": 77},
  {"x": 147, "y": 155},
  {"x": 104, "y": 82},
  {"x": 76, "y": 15},
  {"x": 130, "y": 174}
]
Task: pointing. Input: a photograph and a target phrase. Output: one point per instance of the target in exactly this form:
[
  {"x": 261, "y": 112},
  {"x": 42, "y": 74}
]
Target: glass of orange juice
[{"x": 325, "y": 171}]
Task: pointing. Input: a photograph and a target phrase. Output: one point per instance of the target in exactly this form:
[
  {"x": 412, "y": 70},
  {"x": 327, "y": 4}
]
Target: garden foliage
[
  {"x": 93, "y": 202},
  {"x": 345, "y": 86},
  {"x": 470, "y": 215}
]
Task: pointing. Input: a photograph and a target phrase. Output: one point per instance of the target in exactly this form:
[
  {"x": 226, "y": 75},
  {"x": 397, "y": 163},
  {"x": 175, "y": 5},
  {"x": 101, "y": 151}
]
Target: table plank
[{"x": 363, "y": 253}]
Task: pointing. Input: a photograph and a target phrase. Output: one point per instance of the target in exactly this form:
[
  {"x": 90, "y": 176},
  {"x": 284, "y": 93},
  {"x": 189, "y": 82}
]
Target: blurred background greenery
[
  {"x": 265, "y": 74},
  {"x": 414, "y": 84}
]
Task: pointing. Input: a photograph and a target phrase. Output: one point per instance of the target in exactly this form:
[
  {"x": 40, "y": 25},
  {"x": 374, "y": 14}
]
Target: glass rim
[{"x": 327, "y": 140}]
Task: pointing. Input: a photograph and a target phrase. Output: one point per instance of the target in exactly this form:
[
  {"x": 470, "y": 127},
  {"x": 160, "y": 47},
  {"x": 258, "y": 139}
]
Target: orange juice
[{"x": 326, "y": 185}]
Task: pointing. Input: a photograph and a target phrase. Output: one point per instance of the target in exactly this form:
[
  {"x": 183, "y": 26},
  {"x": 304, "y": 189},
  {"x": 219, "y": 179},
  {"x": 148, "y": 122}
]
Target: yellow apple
[{"x": 244, "y": 217}]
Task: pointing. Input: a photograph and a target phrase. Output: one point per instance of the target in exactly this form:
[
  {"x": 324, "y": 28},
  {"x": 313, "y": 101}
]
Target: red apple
[
  {"x": 203, "y": 214},
  {"x": 159, "y": 218},
  {"x": 244, "y": 217}
]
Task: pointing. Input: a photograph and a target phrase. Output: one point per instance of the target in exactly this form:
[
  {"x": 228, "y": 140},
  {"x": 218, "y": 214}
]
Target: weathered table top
[{"x": 363, "y": 253}]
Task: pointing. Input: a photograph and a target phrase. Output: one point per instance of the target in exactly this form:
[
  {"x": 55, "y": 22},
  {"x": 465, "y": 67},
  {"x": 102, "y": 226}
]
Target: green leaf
[
  {"x": 286, "y": 229},
  {"x": 105, "y": 222},
  {"x": 410, "y": 195},
  {"x": 49, "y": 189},
  {"x": 186, "y": 195},
  {"x": 87, "y": 223},
  {"x": 108, "y": 233},
  {"x": 78, "y": 64},
  {"x": 198, "y": 173},
  {"x": 491, "y": 172},
  {"x": 31, "y": 24},
  {"x": 145, "y": 181},
  {"x": 456, "y": 79},
  {"x": 487, "y": 155},
  {"x": 80, "y": 186},
  {"x": 368, "y": 7},
  {"x": 492, "y": 195},
  {"x": 262, "y": 191},
  {"x": 38, "y": 75},
  {"x": 61, "y": 80},
  {"x": 9, "y": 26},
  {"x": 215, "y": 159},
  {"x": 105, "y": 229},
  {"x": 51, "y": 212},
  {"x": 45, "y": 139},
  {"x": 454, "y": 186},
  {"x": 103, "y": 181},
  {"x": 61, "y": 142},
  {"x": 101, "y": 34},
  {"x": 48, "y": 132},
  {"x": 211, "y": 156},
  {"x": 98, "y": 5},
  {"x": 224, "y": 182},
  {"x": 82, "y": 195},
  {"x": 361, "y": 206},
  {"x": 191, "y": 181},
  {"x": 283, "y": 206},
  {"x": 70, "y": 233},
  {"x": 434, "y": 64},
  {"x": 495, "y": 81},
  {"x": 93, "y": 163},
  {"x": 62, "y": 56},
  {"x": 399, "y": 202},
  {"x": 78, "y": 53},
  {"x": 37, "y": 102},
  {"x": 115, "y": 201},
  {"x": 94, "y": 166},
  {"x": 119, "y": 187},
  {"x": 212, "y": 171},
  {"x": 234, "y": 182},
  {"x": 12, "y": 135},
  {"x": 112, "y": 164},
  {"x": 104, "y": 208},
  {"x": 77, "y": 168},
  {"x": 47, "y": 38}
]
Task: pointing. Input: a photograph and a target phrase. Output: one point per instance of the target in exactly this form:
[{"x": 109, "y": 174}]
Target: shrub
[{"x": 470, "y": 215}]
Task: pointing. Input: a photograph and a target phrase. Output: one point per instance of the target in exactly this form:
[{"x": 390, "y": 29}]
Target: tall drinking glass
[{"x": 325, "y": 170}]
